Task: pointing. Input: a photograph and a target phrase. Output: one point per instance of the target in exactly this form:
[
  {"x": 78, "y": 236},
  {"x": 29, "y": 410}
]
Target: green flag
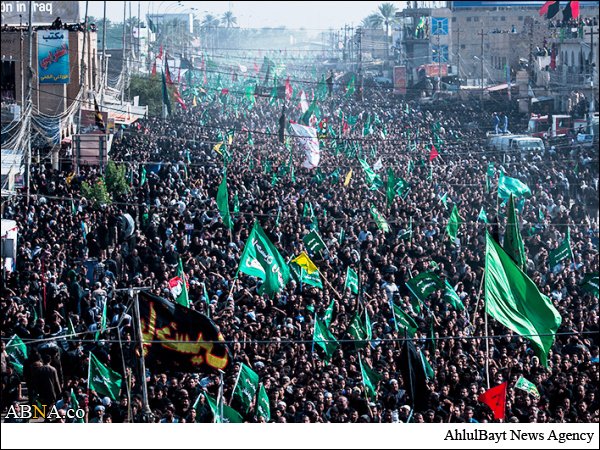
[
  {"x": 507, "y": 186},
  {"x": 102, "y": 322},
  {"x": 246, "y": 386},
  {"x": 391, "y": 184},
  {"x": 322, "y": 89},
  {"x": 206, "y": 299},
  {"x": 424, "y": 284},
  {"x": 444, "y": 200},
  {"x": 230, "y": 415},
  {"x": 249, "y": 140},
  {"x": 263, "y": 407},
  {"x": 357, "y": 330},
  {"x": 590, "y": 283},
  {"x": 324, "y": 339},
  {"x": 261, "y": 259},
  {"x": 404, "y": 321},
  {"x": 380, "y": 220},
  {"x": 181, "y": 297},
  {"x": 71, "y": 335},
  {"x": 351, "y": 281},
  {"x": 313, "y": 242},
  {"x": 236, "y": 204},
  {"x": 370, "y": 379},
  {"x": 427, "y": 367},
  {"x": 515, "y": 301},
  {"x": 105, "y": 381},
  {"x": 143, "y": 176},
  {"x": 408, "y": 233},
  {"x": 562, "y": 252},
  {"x": 482, "y": 216},
  {"x": 17, "y": 354},
  {"x": 302, "y": 276},
  {"x": 527, "y": 386},
  {"x": 350, "y": 90},
  {"x": 75, "y": 406},
  {"x": 401, "y": 188},
  {"x": 513, "y": 242},
  {"x": 223, "y": 202},
  {"x": 372, "y": 179},
  {"x": 453, "y": 224},
  {"x": 452, "y": 297},
  {"x": 328, "y": 317},
  {"x": 367, "y": 126}
]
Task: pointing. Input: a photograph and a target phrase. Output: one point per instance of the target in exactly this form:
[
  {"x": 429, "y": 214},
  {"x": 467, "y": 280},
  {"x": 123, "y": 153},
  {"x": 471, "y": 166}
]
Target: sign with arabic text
[{"x": 53, "y": 57}]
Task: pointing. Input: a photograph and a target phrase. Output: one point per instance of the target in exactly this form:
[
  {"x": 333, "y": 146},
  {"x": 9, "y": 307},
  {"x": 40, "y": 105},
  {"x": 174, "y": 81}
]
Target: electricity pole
[
  {"x": 123, "y": 59},
  {"x": 481, "y": 34},
  {"x": 104, "y": 71},
  {"x": 29, "y": 97}
]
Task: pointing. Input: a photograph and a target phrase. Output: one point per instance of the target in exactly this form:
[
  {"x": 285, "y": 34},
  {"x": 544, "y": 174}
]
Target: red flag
[
  {"x": 495, "y": 398},
  {"x": 256, "y": 69},
  {"x": 154, "y": 67},
  {"x": 180, "y": 100},
  {"x": 544, "y": 9},
  {"x": 553, "y": 58},
  {"x": 203, "y": 65},
  {"x": 571, "y": 11},
  {"x": 345, "y": 128},
  {"x": 434, "y": 153},
  {"x": 288, "y": 89},
  {"x": 225, "y": 91},
  {"x": 168, "y": 74},
  {"x": 160, "y": 54}
]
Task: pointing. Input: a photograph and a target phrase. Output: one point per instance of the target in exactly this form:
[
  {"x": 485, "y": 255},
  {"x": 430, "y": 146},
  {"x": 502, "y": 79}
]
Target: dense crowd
[{"x": 175, "y": 217}]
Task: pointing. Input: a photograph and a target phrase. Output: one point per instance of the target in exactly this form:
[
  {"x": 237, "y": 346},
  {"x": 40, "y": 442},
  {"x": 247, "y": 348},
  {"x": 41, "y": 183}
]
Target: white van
[{"x": 515, "y": 143}]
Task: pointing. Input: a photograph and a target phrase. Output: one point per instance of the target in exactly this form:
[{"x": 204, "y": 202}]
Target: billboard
[
  {"x": 433, "y": 70},
  {"x": 400, "y": 80},
  {"x": 88, "y": 122},
  {"x": 53, "y": 57},
  {"x": 44, "y": 13}
]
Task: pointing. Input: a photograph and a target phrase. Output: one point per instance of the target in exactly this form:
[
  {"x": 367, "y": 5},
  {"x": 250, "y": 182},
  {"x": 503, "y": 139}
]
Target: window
[
  {"x": 502, "y": 19},
  {"x": 468, "y": 19},
  {"x": 439, "y": 26},
  {"x": 453, "y": 19},
  {"x": 435, "y": 53},
  {"x": 495, "y": 19},
  {"x": 520, "y": 17},
  {"x": 463, "y": 46},
  {"x": 475, "y": 19}
]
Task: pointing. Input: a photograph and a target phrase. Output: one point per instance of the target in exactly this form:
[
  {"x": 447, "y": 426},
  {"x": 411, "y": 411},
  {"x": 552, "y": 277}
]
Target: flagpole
[
  {"x": 478, "y": 299},
  {"x": 487, "y": 352},
  {"x": 147, "y": 413},
  {"x": 87, "y": 414},
  {"x": 235, "y": 385},
  {"x": 221, "y": 394}
]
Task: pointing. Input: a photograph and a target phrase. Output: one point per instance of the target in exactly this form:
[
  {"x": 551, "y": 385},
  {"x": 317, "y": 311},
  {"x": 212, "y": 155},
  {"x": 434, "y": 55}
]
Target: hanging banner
[
  {"x": 89, "y": 124},
  {"x": 400, "y": 80},
  {"x": 53, "y": 57}
]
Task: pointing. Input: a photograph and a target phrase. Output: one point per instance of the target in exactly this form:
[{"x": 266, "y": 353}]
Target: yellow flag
[
  {"x": 217, "y": 148},
  {"x": 194, "y": 103},
  {"x": 304, "y": 261},
  {"x": 347, "y": 182},
  {"x": 69, "y": 179}
]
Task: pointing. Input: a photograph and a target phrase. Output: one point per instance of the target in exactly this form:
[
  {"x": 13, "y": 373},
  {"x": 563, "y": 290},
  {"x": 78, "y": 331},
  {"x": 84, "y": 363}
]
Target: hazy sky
[{"x": 309, "y": 15}]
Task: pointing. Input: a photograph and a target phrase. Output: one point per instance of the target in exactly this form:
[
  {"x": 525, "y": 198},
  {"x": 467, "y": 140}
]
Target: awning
[{"x": 498, "y": 87}]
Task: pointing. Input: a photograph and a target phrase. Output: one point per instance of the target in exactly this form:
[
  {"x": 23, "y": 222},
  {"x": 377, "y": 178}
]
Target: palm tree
[
  {"x": 211, "y": 21},
  {"x": 387, "y": 15},
  {"x": 372, "y": 21},
  {"x": 228, "y": 19}
]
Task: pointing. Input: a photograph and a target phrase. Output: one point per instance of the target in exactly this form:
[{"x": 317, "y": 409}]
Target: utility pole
[
  {"x": 530, "y": 65},
  {"x": 104, "y": 60},
  {"x": 83, "y": 66},
  {"x": 124, "y": 48},
  {"x": 131, "y": 53},
  {"x": 29, "y": 97},
  {"x": 22, "y": 67},
  {"x": 139, "y": 40},
  {"x": 482, "y": 34},
  {"x": 458, "y": 54},
  {"x": 439, "y": 87}
]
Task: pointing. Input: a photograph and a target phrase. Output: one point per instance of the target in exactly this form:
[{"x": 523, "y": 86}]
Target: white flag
[
  {"x": 308, "y": 140},
  {"x": 378, "y": 165},
  {"x": 303, "y": 102}
]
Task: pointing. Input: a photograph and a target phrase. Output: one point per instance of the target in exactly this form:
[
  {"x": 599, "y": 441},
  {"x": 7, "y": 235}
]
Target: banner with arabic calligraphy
[
  {"x": 53, "y": 57},
  {"x": 176, "y": 338}
]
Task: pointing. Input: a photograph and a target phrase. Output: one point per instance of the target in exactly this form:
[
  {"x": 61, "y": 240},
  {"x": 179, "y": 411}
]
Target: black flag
[
  {"x": 98, "y": 117},
  {"x": 414, "y": 376},
  {"x": 281, "y": 131},
  {"x": 329, "y": 82},
  {"x": 179, "y": 339}
]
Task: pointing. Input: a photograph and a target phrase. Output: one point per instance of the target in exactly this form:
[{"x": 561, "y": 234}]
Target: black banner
[{"x": 179, "y": 339}]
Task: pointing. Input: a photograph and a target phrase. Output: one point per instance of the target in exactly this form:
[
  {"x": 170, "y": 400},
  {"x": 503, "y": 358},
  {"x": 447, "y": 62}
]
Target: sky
[{"x": 309, "y": 15}]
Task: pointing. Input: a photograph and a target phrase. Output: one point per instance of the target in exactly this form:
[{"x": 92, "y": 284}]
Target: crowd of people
[{"x": 176, "y": 170}]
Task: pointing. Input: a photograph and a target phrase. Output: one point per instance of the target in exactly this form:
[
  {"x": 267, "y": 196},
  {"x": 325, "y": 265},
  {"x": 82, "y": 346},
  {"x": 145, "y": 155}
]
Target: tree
[
  {"x": 211, "y": 21},
  {"x": 372, "y": 21},
  {"x": 116, "y": 179},
  {"x": 150, "y": 92},
  {"x": 228, "y": 19},
  {"x": 387, "y": 14},
  {"x": 96, "y": 192}
]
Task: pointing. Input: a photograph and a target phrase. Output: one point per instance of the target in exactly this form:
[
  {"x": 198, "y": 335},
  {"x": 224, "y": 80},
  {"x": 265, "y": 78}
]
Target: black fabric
[{"x": 414, "y": 376}]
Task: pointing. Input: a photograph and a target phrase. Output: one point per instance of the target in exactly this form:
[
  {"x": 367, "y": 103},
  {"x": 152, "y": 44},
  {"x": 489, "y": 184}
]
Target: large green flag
[
  {"x": 380, "y": 220},
  {"x": 357, "y": 330},
  {"x": 515, "y": 301},
  {"x": 424, "y": 284},
  {"x": 367, "y": 126},
  {"x": 562, "y": 252},
  {"x": 246, "y": 386},
  {"x": 302, "y": 276},
  {"x": 223, "y": 202},
  {"x": 17, "y": 353},
  {"x": 180, "y": 289},
  {"x": 370, "y": 379},
  {"x": 261, "y": 259},
  {"x": 507, "y": 186},
  {"x": 324, "y": 339},
  {"x": 404, "y": 322},
  {"x": 327, "y": 318},
  {"x": 590, "y": 283},
  {"x": 373, "y": 180},
  {"x": 263, "y": 407},
  {"x": 313, "y": 242},
  {"x": 453, "y": 224},
  {"x": 230, "y": 415},
  {"x": 427, "y": 367},
  {"x": 513, "y": 243},
  {"x": 391, "y": 184},
  {"x": 105, "y": 381},
  {"x": 350, "y": 90},
  {"x": 452, "y": 297},
  {"x": 351, "y": 281}
]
